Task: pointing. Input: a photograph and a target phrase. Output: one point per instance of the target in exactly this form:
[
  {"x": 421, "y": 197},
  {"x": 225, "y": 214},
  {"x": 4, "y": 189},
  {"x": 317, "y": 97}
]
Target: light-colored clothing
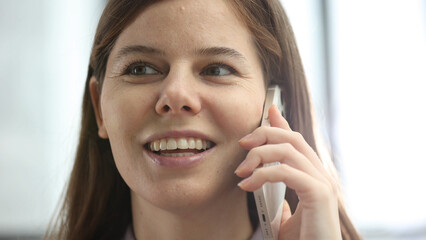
[{"x": 257, "y": 235}]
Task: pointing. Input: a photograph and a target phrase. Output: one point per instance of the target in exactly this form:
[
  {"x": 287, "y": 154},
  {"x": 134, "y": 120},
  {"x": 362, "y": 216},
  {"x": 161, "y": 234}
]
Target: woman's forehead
[{"x": 187, "y": 25}]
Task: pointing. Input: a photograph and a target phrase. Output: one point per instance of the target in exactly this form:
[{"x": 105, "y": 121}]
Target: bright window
[
  {"x": 379, "y": 73},
  {"x": 366, "y": 64}
]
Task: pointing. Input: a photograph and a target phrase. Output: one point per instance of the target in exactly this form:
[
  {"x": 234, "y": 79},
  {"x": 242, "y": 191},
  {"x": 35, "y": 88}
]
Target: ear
[{"x": 95, "y": 96}]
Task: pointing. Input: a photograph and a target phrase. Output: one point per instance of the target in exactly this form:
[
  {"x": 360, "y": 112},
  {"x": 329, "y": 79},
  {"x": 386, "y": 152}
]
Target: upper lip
[{"x": 177, "y": 134}]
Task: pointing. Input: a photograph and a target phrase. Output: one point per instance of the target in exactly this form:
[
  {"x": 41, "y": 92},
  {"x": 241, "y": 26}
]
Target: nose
[{"x": 178, "y": 96}]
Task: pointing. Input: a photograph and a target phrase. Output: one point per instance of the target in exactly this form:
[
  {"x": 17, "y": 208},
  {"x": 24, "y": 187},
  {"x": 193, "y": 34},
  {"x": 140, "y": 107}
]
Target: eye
[
  {"x": 218, "y": 70},
  {"x": 138, "y": 69}
]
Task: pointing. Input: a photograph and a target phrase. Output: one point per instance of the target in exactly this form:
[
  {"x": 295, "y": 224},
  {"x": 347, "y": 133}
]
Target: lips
[{"x": 177, "y": 149}]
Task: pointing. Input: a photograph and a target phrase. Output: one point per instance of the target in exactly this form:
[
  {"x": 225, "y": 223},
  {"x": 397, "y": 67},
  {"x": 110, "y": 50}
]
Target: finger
[
  {"x": 283, "y": 153},
  {"x": 290, "y": 227},
  {"x": 276, "y": 119},
  {"x": 309, "y": 190},
  {"x": 286, "y": 213},
  {"x": 274, "y": 135},
  {"x": 265, "y": 135}
]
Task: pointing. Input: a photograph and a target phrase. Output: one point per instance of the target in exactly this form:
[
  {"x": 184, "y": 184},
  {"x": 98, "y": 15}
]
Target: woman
[{"x": 172, "y": 105}]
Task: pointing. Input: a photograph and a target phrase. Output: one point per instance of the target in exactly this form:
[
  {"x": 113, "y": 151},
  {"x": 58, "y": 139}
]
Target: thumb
[{"x": 286, "y": 214}]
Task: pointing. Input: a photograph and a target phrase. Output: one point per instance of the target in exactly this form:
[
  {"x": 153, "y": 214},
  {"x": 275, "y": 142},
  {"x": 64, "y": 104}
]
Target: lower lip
[{"x": 179, "y": 162}]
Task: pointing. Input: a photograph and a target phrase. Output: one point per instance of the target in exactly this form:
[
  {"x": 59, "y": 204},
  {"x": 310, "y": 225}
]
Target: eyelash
[
  {"x": 221, "y": 65},
  {"x": 128, "y": 68}
]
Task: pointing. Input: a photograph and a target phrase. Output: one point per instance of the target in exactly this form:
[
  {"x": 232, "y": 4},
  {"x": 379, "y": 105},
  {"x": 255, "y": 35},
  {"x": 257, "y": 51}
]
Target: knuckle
[
  {"x": 334, "y": 187},
  {"x": 283, "y": 167},
  {"x": 286, "y": 146},
  {"x": 261, "y": 173},
  {"x": 254, "y": 153},
  {"x": 263, "y": 128},
  {"x": 328, "y": 188},
  {"x": 287, "y": 149},
  {"x": 331, "y": 185},
  {"x": 283, "y": 171},
  {"x": 298, "y": 136},
  {"x": 325, "y": 192},
  {"x": 261, "y": 131}
]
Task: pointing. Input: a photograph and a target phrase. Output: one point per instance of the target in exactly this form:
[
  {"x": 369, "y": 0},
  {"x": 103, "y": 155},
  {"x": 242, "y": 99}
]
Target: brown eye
[
  {"x": 139, "y": 69},
  {"x": 219, "y": 70}
]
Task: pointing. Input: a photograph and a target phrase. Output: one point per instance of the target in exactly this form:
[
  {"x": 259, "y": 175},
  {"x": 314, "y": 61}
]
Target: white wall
[
  {"x": 44, "y": 48},
  {"x": 378, "y": 74},
  {"x": 379, "y": 61}
]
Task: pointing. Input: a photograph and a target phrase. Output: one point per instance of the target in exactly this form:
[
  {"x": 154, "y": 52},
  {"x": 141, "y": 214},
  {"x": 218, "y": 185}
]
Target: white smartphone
[{"x": 270, "y": 197}]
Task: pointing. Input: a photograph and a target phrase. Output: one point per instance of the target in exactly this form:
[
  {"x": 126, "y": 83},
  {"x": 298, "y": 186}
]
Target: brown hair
[{"x": 97, "y": 201}]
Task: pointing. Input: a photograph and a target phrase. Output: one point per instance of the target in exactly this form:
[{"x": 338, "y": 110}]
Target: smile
[{"x": 179, "y": 147}]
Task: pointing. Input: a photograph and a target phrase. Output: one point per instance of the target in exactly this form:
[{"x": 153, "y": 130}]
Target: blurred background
[{"x": 365, "y": 61}]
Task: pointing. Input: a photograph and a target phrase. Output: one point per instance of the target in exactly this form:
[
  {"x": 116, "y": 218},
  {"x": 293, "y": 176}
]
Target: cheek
[
  {"x": 241, "y": 113},
  {"x": 123, "y": 111}
]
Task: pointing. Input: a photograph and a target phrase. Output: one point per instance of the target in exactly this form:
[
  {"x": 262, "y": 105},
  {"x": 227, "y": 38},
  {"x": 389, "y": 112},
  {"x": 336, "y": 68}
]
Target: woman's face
[{"x": 184, "y": 77}]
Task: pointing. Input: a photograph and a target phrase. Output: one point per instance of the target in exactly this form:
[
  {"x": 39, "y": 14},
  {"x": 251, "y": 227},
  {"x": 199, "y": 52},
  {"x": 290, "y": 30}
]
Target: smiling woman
[{"x": 171, "y": 114}]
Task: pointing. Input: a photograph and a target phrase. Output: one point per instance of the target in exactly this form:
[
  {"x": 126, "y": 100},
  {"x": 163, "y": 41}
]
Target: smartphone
[{"x": 270, "y": 197}]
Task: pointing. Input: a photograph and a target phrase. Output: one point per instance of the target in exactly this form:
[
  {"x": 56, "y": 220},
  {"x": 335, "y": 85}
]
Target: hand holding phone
[{"x": 302, "y": 172}]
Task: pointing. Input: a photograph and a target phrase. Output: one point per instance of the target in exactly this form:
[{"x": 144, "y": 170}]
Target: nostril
[{"x": 166, "y": 108}]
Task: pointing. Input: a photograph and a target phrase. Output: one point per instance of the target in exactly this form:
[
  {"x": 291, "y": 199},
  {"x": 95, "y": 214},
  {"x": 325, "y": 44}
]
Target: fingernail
[
  {"x": 276, "y": 108},
  {"x": 238, "y": 170},
  {"x": 245, "y": 138},
  {"x": 239, "y": 166},
  {"x": 244, "y": 182}
]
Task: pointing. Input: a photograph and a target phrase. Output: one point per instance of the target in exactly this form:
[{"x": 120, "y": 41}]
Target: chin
[{"x": 186, "y": 196}]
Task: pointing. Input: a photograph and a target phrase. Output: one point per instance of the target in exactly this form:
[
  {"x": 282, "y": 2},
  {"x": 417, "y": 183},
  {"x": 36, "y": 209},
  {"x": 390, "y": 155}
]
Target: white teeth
[
  {"x": 182, "y": 143},
  {"x": 177, "y": 154},
  {"x": 191, "y": 143},
  {"x": 171, "y": 144},
  {"x": 179, "y": 143},
  {"x": 198, "y": 144},
  {"x": 156, "y": 146},
  {"x": 163, "y": 144}
]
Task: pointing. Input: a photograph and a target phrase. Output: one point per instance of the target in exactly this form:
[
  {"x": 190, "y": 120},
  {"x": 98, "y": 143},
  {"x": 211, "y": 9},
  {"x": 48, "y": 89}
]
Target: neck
[{"x": 226, "y": 217}]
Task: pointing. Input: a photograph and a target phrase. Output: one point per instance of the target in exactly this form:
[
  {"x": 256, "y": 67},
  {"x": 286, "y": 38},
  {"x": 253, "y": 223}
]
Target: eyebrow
[
  {"x": 138, "y": 49},
  {"x": 218, "y": 51},
  {"x": 210, "y": 51}
]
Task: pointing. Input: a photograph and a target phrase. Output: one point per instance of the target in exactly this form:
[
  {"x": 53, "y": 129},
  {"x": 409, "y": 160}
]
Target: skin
[
  {"x": 183, "y": 89},
  {"x": 317, "y": 215}
]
